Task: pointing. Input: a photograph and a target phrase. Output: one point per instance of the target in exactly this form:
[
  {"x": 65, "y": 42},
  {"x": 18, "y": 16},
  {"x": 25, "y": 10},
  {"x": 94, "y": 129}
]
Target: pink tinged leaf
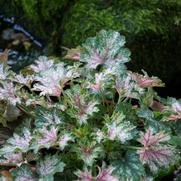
[
  {"x": 49, "y": 165},
  {"x": 145, "y": 81},
  {"x": 176, "y": 112},
  {"x": 95, "y": 87},
  {"x": 112, "y": 133},
  {"x": 76, "y": 56},
  {"x": 157, "y": 106},
  {"x": 121, "y": 131},
  {"x": 14, "y": 158},
  {"x": 45, "y": 90},
  {"x": 176, "y": 107},
  {"x": 21, "y": 141},
  {"x": 99, "y": 79},
  {"x": 7, "y": 92},
  {"x": 54, "y": 91},
  {"x": 106, "y": 49},
  {"x": 89, "y": 154},
  {"x": 95, "y": 60},
  {"x": 84, "y": 109},
  {"x": 48, "y": 136},
  {"x": 64, "y": 140},
  {"x": 73, "y": 54},
  {"x": 91, "y": 107},
  {"x": 152, "y": 140},
  {"x": 84, "y": 175},
  {"x": 174, "y": 117},
  {"x": 153, "y": 152},
  {"x": 52, "y": 81},
  {"x": 24, "y": 80},
  {"x": 106, "y": 175},
  {"x": 156, "y": 157},
  {"x": 42, "y": 64}
]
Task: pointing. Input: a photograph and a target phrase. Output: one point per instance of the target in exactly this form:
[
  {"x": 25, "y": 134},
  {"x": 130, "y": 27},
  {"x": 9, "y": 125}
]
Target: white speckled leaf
[
  {"x": 106, "y": 48},
  {"x": 49, "y": 165},
  {"x": 23, "y": 173},
  {"x": 129, "y": 168},
  {"x": 17, "y": 142}
]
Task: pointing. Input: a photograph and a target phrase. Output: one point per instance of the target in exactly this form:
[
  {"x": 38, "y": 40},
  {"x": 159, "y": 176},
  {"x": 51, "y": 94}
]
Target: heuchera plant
[{"x": 88, "y": 119}]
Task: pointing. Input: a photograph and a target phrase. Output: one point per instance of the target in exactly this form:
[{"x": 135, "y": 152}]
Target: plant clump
[{"x": 89, "y": 119}]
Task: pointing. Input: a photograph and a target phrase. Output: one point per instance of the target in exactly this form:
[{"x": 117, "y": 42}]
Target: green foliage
[
  {"x": 129, "y": 168},
  {"x": 129, "y": 17},
  {"x": 84, "y": 20},
  {"x": 47, "y": 167},
  {"x": 18, "y": 142},
  {"x": 30, "y": 8},
  {"x": 73, "y": 21},
  {"x": 23, "y": 173},
  {"x": 41, "y": 13}
]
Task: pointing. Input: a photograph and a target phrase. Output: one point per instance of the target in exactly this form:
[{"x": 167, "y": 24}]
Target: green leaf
[
  {"x": 144, "y": 112},
  {"x": 46, "y": 117},
  {"x": 44, "y": 138},
  {"x": 9, "y": 113},
  {"x": 120, "y": 129},
  {"x": 176, "y": 141},
  {"x": 178, "y": 178},
  {"x": 105, "y": 48},
  {"x": 82, "y": 105},
  {"x": 47, "y": 178},
  {"x": 151, "y": 122},
  {"x": 49, "y": 165},
  {"x": 17, "y": 142},
  {"x": 129, "y": 168},
  {"x": 176, "y": 126},
  {"x": 23, "y": 173}
]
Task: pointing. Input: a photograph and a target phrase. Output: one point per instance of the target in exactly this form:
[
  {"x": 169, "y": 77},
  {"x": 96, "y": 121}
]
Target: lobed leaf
[
  {"x": 49, "y": 165},
  {"x": 24, "y": 173},
  {"x": 129, "y": 168},
  {"x": 106, "y": 48},
  {"x": 20, "y": 142}
]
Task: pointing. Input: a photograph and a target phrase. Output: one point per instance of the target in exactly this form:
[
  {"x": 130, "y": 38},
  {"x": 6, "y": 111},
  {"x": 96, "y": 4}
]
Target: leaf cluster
[{"x": 90, "y": 118}]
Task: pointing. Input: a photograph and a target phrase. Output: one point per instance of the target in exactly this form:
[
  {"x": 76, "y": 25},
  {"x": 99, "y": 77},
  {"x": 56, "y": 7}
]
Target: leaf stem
[{"x": 22, "y": 108}]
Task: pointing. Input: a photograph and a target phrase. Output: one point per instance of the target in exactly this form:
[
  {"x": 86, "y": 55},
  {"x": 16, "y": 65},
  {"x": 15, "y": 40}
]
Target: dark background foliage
[{"x": 152, "y": 29}]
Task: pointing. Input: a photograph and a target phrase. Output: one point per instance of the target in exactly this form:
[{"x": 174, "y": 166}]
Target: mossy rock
[
  {"x": 152, "y": 29},
  {"x": 130, "y": 18}
]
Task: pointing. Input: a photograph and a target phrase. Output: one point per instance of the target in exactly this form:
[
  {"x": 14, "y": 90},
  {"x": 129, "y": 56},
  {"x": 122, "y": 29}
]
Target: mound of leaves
[{"x": 87, "y": 118}]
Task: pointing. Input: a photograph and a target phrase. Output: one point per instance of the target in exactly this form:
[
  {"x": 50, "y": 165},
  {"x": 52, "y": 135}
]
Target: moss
[
  {"x": 36, "y": 9},
  {"x": 131, "y": 18},
  {"x": 43, "y": 17},
  {"x": 69, "y": 22},
  {"x": 84, "y": 20},
  {"x": 152, "y": 28}
]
